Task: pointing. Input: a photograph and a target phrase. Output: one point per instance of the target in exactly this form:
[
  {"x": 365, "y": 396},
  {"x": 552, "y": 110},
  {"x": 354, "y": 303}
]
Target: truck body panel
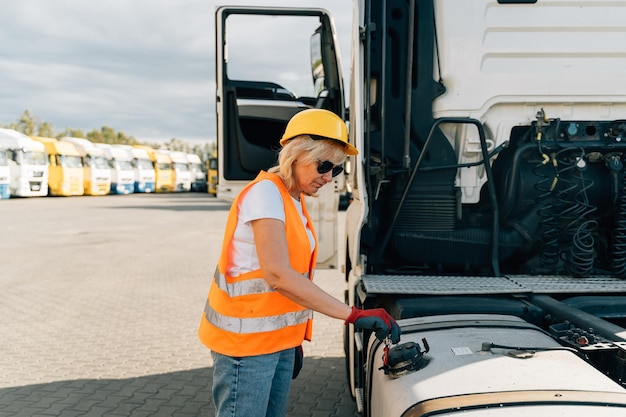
[
  {"x": 65, "y": 168},
  {"x": 27, "y": 164},
  {"x": 96, "y": 169},
  {"x": 488, "y": 198}
]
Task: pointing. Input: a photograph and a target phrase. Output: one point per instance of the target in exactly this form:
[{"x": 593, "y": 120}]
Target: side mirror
[{"x": 317, "y": 64}]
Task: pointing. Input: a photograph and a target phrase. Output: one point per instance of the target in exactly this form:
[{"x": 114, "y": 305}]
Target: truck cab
[
  {"x": 162, "y": 163},
  {"x": 122, "y": 173},
  {"x": 65, "y": 168},
  {"x": 488, "y": 196},
  {"x": 144, "y": 171},
  {"x": 27, "y": 164},
  {"x": 181, "y": 171},
  {"x": 198, "y": 175},
  {"x": 5, "y": 174},
  {"x": 96, "y": 169}
]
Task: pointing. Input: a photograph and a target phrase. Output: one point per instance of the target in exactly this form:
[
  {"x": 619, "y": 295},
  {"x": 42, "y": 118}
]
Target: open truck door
[{"x": 254, "y": 101}]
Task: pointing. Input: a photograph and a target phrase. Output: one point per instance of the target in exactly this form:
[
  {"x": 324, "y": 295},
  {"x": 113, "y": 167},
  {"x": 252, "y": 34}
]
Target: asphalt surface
[{"x": 100, "y": 301}]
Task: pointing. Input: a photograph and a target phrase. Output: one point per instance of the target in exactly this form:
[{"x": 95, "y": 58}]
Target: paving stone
[{"x": 101, "y": 302}]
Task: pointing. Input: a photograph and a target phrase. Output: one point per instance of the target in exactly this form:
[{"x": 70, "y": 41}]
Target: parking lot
[{"x": 100, "y": 302}]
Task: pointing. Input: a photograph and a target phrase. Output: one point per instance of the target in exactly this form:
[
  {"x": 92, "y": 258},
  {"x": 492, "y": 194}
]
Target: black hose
[
  {"x": 548, "y": 210},
  {"x": 618, "y": 258}
]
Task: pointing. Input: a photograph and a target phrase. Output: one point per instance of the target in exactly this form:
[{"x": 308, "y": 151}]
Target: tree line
[{"x": 31, "y": 126}]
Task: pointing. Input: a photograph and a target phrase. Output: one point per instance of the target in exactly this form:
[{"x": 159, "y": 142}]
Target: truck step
[
  {"x": 359, "y": 400},
  {"x": 472, "y": 285},
  {"x": 358, "y": 341}
]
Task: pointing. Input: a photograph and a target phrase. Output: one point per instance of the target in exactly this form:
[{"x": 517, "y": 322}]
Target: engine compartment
[{"x": 559, "y": 207}]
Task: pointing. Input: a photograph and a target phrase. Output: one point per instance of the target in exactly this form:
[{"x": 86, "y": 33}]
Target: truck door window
[
  {"x": 249, "y": 58},
  {"x": 258, "y": 100}
]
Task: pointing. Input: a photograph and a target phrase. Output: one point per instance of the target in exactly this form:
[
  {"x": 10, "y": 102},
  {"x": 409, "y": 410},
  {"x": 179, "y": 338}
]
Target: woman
[{"x": 259, "y": 308}]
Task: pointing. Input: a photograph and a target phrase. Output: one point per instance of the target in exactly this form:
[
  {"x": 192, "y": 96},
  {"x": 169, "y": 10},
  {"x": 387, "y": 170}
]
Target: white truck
[
  {"x": 27, "y": 164},
  {"x": 488, "y": 211},
  {"x": 145, "y": 175},
  {"x": 121, "y": 165},
  {"x": 198, "y": 175},
  {"x": 5, "y": 174},
  {"x": 182, "y": 173}
]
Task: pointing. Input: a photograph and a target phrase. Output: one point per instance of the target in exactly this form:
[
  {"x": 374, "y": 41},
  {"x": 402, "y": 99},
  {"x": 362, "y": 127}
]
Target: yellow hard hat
[{"x": 316, "y": 123}]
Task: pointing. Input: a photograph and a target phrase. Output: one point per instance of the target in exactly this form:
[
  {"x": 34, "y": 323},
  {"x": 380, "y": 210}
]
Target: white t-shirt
[{"x": 262, "y": 201}]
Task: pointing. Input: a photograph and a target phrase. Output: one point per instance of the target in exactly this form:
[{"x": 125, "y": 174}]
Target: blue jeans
[{"x": 252, "y": 386}]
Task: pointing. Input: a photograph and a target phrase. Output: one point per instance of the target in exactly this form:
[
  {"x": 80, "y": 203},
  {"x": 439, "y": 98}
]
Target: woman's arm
[{"x": 271, "y": 245}]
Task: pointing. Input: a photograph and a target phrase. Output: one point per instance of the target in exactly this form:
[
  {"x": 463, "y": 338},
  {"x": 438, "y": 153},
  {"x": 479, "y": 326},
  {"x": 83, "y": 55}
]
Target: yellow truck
[
  {"x": 211, "y": 165},
  {"x": 163, "y": 171},
  {"x": 65, "y": 168},
  {"x": 95, "y": 166}
]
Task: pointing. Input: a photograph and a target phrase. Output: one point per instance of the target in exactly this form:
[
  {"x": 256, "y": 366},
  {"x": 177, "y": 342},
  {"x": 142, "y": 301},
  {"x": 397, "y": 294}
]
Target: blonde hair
[{"x": 306, "y": 150}]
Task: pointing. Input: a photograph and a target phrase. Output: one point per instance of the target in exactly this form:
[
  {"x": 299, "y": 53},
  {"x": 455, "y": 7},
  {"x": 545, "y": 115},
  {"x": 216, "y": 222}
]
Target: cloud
[{"x": 143, "y": 67}]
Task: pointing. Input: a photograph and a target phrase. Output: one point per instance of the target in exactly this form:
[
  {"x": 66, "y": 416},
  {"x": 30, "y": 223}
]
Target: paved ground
[{"x": 100, "y": 299}]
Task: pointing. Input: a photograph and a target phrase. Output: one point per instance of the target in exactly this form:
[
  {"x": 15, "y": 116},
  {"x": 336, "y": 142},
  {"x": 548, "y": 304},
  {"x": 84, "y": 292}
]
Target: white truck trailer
[{"x": 488, "y": 211}]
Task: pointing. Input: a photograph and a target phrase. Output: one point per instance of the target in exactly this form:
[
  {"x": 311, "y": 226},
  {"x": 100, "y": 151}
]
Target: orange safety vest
[{"x": 243, "y": 315}]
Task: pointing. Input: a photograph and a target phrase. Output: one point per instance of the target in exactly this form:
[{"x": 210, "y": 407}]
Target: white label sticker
[{"x": 461, "y": 351}]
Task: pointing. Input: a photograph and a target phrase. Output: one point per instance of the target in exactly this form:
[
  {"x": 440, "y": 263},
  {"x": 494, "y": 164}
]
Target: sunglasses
[{"x": 324, "y": 166}]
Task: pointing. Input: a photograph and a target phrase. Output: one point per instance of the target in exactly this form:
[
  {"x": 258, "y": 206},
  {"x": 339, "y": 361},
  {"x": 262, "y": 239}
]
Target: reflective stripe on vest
[
  {"x": 243, "y": 287},
  {"x": 255, "y": 325}
]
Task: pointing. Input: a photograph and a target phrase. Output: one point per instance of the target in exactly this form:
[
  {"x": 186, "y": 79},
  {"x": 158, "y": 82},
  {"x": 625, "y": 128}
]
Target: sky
[{"x": 142, "y": 67}]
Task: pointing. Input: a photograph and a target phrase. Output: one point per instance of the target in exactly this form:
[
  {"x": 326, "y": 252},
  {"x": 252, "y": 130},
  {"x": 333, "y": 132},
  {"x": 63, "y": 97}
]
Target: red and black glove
[{"x": 376, "y": 320}]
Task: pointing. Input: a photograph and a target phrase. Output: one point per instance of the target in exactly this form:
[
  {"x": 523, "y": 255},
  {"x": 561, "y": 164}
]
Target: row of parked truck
[{"x": 41, "y": 166}]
